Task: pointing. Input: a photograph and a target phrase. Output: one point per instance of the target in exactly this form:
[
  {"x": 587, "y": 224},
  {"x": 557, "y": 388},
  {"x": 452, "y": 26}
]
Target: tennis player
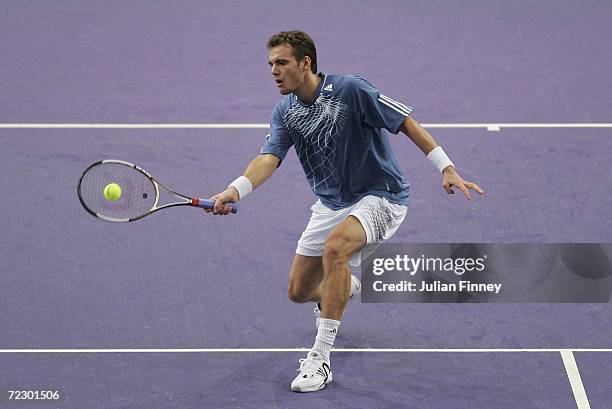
[{"x": 336, "y": 124}]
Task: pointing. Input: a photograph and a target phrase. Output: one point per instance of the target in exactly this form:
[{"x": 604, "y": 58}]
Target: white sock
[{"x": 326, "y": 335}]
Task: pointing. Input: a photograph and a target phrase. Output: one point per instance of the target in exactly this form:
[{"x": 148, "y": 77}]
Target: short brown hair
[{"x": 302, "y": 45}]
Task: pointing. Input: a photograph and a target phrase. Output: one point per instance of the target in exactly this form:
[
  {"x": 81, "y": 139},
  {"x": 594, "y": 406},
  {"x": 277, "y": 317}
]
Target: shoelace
[{"x": 308, "y": 366}]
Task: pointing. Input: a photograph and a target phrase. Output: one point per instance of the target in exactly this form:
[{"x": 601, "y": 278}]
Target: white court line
[
  {"x": 132, "y": 126},
  {"x": 575, "y": 381},
  {"x": 488, "y": 126},
  {"x": 566, "y": 354},
  {"x": 215, "y": 350}
]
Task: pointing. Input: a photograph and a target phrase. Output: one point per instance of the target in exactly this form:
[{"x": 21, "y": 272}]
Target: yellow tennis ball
[{"x": 112, "y": 192}]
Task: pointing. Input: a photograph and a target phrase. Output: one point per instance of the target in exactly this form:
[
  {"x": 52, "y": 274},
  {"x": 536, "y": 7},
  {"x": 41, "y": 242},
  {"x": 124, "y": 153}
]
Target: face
[{"x": 288, "y": 73}]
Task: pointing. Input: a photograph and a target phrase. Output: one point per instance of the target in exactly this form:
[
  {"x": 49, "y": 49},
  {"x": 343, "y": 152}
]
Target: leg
[
  {"x": 334, "y": 290},
  {"x": 304, "y": 279},
  {"x": 307, "y": 270},
  {"x": 344, "y": 240},
  {"x": 370, "y": 220}
]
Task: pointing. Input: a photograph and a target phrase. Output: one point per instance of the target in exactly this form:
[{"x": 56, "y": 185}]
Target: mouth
[{"x": 279, "y": 83}]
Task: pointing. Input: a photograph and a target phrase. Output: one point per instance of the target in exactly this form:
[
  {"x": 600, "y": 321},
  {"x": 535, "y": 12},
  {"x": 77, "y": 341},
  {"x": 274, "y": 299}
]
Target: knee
[
  {"x": 297, "y": 293},
  {"x": 334, "y": 251}
]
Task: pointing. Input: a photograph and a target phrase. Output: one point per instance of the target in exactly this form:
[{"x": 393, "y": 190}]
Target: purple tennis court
[{"x": 185, "y": 310}]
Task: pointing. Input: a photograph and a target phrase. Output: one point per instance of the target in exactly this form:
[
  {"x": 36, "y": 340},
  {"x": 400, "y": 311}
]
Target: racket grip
[{"x": 209, "y": 204}]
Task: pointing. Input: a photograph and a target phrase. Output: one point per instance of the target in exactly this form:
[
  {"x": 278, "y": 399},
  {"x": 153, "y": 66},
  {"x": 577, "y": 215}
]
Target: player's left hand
[{"x": 451, "y": 178}]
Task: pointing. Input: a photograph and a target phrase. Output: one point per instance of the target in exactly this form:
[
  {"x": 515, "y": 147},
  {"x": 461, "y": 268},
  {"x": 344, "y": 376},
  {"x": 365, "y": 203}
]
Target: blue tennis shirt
[{"x": 340, "y": 142}]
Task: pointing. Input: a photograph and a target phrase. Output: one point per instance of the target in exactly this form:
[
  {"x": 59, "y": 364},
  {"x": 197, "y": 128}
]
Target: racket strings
[{"x": 138, "y": 192}]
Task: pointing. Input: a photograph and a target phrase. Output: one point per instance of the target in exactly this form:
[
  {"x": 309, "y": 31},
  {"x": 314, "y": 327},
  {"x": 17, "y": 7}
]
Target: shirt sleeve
[
  {"x": 278, "y": 141},
  {"x": 378, "y": 110}
]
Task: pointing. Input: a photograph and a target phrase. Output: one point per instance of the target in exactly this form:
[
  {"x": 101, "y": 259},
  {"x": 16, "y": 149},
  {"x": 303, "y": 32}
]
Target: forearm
[
  {"x": 418, "y": 135},
  {"x": 257, "y": 172},
  {"x": 261, "y": 168},
  {"x": 427, "y": 144}
]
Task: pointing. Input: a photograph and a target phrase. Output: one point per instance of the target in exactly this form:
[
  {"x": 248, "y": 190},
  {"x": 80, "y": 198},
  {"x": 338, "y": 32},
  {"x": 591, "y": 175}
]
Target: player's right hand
[{"x": 229, "y": 195}]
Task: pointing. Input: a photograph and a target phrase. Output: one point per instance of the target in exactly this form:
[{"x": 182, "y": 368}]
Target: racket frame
[{"x": 186, "y": 201}]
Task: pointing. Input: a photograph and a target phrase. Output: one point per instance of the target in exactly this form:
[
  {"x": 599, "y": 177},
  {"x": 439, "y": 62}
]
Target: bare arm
[
  {"x": 418, "y": 135},
  {"x": 258, "y": 171},
  {"x": 261, "y": 168},
  {"x": 426, "y": 142}
]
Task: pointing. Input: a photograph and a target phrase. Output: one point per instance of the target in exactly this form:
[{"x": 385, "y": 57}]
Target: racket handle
[{"x": 209, "y": 204}]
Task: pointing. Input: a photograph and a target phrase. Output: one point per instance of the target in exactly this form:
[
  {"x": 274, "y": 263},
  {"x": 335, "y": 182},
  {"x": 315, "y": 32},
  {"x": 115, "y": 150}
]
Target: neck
[{"x": 307, "y": 91}]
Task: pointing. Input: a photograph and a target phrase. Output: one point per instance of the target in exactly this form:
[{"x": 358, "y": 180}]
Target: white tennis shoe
[
  {"x": 355, "y": 290},
  {"x": 355, "y": 286},
  {"x": 314, "y": 374}
]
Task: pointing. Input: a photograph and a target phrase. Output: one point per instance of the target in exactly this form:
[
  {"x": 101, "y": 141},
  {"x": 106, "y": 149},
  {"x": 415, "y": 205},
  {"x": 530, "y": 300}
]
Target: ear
[{"x": 307, "y": 63}]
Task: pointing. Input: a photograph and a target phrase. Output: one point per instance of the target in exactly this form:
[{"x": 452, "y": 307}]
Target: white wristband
[
  {"x": 243, "y": 186},
  {"x": 439, "y": 159}
]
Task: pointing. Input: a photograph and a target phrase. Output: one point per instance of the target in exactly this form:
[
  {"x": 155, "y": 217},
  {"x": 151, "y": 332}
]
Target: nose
[{"x": 274, "y": 70}]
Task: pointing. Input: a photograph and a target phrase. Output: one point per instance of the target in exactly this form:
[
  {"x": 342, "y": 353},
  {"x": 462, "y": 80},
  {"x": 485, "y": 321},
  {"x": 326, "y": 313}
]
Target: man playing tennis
[{"x": 335, "y": 123}]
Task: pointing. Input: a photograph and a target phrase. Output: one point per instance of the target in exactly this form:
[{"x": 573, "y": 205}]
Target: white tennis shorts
[{"x": 380, "y": 220}]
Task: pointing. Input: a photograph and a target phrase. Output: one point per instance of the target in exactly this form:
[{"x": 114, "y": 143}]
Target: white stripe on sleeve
[
  {"x": 393, "y": 107},
  {"x": 401, "y": 107}
]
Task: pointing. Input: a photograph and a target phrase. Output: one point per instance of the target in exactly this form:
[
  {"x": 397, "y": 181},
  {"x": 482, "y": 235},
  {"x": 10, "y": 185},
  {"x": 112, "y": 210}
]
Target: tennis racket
[{"x": 139, "y": 193}]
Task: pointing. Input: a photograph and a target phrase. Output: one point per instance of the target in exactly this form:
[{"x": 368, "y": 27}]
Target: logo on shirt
[{"x": 329, "y": 88}]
